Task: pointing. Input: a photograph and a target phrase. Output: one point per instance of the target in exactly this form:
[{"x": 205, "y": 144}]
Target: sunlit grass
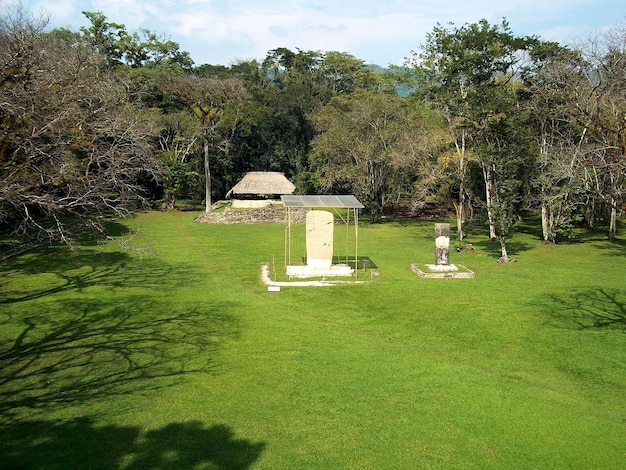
[{"x": 173, "y": 354}]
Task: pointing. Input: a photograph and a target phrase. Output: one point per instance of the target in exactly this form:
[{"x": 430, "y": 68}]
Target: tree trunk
[
  {"x": 461, "y": 217},
  {"x": 613, "y": 222},
  {"x": 460, "y": 209},
  {"x": 489, "y": 195},
  {"x": 171, "y": 201},
  {"x": 207, "y": 177},
  {"x": 504, "y": 258},
  {"x": 546, "y": 224},
  {"x": 459, "y": 220}
]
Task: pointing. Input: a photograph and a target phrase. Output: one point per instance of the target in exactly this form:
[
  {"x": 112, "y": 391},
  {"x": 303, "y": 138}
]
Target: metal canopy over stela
[
  {"x": 328, "y": 202},
  {"x": 348, "y": 202}
]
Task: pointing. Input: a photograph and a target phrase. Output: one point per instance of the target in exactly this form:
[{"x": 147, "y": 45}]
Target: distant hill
[{"x": 402, "y": 90}]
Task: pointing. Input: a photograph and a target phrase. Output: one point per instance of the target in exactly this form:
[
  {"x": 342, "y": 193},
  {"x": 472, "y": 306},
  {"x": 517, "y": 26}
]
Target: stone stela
[
  {"x": 320, "y": 231},
  {"x": 442, "y": 244},
  {"x": 320, "y": 228},
  {"x": 319, "y": 239},
  {"x": 442, "y": 250},
  {"x": 442, "y": 269}
]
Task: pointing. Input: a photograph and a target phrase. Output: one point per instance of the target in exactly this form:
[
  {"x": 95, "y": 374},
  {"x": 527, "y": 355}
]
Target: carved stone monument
[
  {"x": 319, "y": 239},
  {"x": 442, "y": 244},
  {"x": 442, "y": 268}
]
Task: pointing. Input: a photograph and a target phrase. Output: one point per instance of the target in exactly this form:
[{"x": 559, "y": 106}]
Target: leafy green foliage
[
  {"x": 118, "y": 46},
  {"x": 286, "y": 89},
  {"x": 476, "y": 74},
  {"x": 513, "y": 123},
  {"x": 371, "y": 144}
]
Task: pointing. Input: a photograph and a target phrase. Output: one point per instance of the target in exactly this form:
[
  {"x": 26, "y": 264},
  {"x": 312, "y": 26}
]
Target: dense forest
[{"x": 103, "y": 121}]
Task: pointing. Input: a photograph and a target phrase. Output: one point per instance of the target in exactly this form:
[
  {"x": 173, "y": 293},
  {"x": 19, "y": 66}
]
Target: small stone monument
[
  {"x": 442, "y": 244},
  {"x": 442, "y": 269},
  {"x": 442, "y": 250},
  {"x": 319, "y": 239}
]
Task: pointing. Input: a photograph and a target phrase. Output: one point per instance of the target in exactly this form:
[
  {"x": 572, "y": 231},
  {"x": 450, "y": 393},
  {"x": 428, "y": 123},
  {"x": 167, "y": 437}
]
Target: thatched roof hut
[{"x": 262, "y": 183}]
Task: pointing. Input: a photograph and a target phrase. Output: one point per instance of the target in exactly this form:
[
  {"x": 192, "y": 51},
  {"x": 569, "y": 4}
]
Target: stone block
[
  {"x": 442, "y": 244},
  {"x": 319, "y": 239}
]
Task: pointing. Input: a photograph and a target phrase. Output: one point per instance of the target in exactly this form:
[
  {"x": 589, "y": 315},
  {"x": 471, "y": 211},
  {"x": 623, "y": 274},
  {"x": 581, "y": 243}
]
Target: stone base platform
[
  {"x": 448, "y": 271},
  {"x": 335, "y": 270},
  {"x": 442, "y": 268},
  {"x": 275, "y": 286}
]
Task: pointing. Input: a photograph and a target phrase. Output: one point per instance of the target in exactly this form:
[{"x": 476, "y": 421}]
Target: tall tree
[
  {"x": 135, "y": 49},
  {"x": 475, "y": 74},
  {"x": 559, "y": 178},
  {"x": 344, "y": 73},
  {"x": 593, "y": 89},
  {"x": 71, "y": 141},
  {"x": 371, "y": 144},
  {"x": 107, "y": 38},
  {"x": 209, "y": 99}
]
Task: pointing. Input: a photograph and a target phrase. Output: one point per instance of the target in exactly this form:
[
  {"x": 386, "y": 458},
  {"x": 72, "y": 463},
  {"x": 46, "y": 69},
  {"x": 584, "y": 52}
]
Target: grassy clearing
[{"x": 174, "y": 355}]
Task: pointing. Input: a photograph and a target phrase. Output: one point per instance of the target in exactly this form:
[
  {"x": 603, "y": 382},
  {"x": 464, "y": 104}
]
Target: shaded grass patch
[{"x": 176, "y": 356}]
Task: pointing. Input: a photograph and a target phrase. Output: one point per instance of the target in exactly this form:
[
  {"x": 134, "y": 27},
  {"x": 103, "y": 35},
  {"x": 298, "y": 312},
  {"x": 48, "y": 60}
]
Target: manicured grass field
[{"x": 173, "y": 355}]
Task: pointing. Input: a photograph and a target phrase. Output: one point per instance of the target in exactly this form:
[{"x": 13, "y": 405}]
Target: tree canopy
[
  {"x": 373, "y": 145},
  {"x": 72, "y": 142},
  {"x": 101, "y": 121},
  {"x": 477, "y": 74}
]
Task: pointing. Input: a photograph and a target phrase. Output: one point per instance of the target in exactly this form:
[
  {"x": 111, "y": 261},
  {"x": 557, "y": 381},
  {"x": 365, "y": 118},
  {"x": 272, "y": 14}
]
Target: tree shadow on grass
[
  {"x": 424, "y": 229},
  {"x": 531, "y": 225},
  {"x": 12, "y": 245},
  {"x": 79, "y": 444},
  {"x": 105, "y": 351},
  {"x": 494, "y": 250},
  {"x": 591, "y": 309},
  {"x": 93, "y": 324},
  {"x": 80, "y": 270},
  {"x": 616, "y": 248}
]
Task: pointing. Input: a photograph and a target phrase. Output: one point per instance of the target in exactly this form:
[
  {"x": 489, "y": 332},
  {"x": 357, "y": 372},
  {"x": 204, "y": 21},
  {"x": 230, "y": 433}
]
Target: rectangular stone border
[
  {"x": 304, "y": 272},
  {"x": 468, "y": 274},
  {"x": 265, "y": 278}
]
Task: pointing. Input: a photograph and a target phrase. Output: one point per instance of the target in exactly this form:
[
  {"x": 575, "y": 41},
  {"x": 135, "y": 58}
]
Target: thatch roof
[{"x": 263, "y": 183}]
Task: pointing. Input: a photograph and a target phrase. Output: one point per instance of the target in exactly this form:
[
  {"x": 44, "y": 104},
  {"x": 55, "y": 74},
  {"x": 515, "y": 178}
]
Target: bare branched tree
[
  {"x": 72, "y": 145},
  {"x": 592, "y": 88}
]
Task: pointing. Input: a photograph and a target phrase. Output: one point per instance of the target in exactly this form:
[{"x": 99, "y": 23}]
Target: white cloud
[
  {"x": 305, "y": 28},
  {"x": 382, "y": 32},
  {"x": 62, "y": 13},
  {"x": 132, "y": 13},
  {"x": 222, "y": 31}
]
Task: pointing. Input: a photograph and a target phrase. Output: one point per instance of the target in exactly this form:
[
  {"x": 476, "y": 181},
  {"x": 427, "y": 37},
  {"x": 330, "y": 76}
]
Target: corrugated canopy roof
[{"x": 337, "y": 202}]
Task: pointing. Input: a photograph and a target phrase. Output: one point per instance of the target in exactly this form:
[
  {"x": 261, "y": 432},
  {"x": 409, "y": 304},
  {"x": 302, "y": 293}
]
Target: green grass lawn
[{"x": 174, "y": 355}]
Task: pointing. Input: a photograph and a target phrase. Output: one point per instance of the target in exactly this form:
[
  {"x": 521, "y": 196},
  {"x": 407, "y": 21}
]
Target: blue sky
[{"x": 222, "y": 32}]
